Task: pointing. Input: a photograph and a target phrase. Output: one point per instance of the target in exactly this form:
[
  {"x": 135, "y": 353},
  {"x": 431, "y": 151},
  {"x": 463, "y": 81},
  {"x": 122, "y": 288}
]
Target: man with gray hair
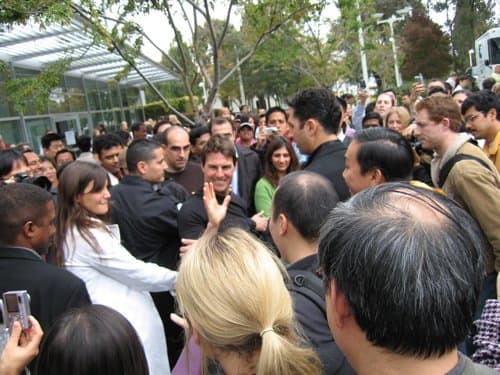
[{"x": 403, "y": 268}]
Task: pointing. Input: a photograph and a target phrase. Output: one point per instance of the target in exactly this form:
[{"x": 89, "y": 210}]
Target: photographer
[{"x": 12, "y": 164}]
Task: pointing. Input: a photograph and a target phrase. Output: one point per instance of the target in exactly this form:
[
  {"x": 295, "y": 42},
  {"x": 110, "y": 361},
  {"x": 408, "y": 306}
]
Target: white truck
[{"x": 487, "y": 51}]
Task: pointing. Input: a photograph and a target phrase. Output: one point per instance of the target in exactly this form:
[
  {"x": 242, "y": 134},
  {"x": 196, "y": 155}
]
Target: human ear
[{"x": 283, "y": 224}]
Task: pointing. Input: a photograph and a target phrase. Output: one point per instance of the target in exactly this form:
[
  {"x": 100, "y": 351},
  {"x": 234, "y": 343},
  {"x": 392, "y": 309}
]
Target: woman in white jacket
[{"x": 92, "y": 250}]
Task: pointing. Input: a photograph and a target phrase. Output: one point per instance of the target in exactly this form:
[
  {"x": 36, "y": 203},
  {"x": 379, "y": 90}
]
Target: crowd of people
[{"x": 337, "y": 236}]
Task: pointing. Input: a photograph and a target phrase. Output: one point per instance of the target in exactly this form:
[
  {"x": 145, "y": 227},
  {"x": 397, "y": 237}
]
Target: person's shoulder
[{"x": 472, "y": 368}]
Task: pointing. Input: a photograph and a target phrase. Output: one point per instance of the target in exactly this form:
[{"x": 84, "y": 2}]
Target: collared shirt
[{"x": 491, "y": 150}]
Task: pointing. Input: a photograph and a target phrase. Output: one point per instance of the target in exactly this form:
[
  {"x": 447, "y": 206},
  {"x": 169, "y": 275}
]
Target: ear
[
  {"x": 377, "y": 177},
  {"x": 492, "y": 114},
  {"x": 283, "y": 224},
  {"x": 339, "y": 306},
  {"x": 142, "y": 167},
  {"x": 311, "y": 126},
  {"x": 446, "y": 122},
  {"x": 29, "y": 230}
]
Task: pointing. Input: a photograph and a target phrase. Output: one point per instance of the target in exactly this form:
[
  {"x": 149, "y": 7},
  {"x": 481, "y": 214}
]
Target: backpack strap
[
  {"x": 310, "y": 286},
  {"x": 447, "y": 167}
]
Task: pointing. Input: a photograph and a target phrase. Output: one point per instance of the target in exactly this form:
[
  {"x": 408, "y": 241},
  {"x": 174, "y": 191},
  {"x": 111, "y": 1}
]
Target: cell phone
[
  {"x": 419, "y": 79},
  {"x": 16, "y": 306},
  {"x": 271, "y": 131}
]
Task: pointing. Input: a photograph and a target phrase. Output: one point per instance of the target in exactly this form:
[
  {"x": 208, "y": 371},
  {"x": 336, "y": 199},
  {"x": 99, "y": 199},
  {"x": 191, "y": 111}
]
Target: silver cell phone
[
  {"x": 271, "y": 131},
  {"x": 16, "y": 306}
]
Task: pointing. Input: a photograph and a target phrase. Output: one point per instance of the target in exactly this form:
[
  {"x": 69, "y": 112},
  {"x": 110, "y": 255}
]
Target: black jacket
[
  {"x": 147, "y": 217},
  {"x": 249, "y": 172},
  {"x": 328, "y": 161},
  {"x": 52, "y": 290}
]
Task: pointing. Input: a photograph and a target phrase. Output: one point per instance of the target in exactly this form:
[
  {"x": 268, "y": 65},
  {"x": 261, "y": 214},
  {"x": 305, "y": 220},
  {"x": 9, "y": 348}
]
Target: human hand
[
  {"x": 417, "y": 89},
  {"x": 260, "y": 221},
  {"x": 21, "y": 347},
  {"x": 181, "y": 322},
  {"x": 216, "y": 212},
  {"x": 409, "y": 131}
]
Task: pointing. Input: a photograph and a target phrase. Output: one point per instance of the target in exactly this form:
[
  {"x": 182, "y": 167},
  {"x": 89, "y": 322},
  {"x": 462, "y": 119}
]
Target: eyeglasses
[{"x": 470, "y": 118}]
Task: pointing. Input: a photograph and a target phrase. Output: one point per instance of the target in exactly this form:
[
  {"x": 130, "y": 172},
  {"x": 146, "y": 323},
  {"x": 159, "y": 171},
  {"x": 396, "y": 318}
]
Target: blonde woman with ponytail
[{"x": 232, "y": 292}]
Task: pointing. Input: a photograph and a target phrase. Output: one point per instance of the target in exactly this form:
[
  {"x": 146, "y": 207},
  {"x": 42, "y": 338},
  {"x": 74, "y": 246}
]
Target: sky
[{"x": 156, "y": 25}]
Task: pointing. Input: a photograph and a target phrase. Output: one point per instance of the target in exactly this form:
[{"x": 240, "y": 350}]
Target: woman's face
[
  {"x": 97, "y": 203},
  {"x": 48, "y": 170},
  {"x": 281, "y": 159},
  {"x": 394, "y": 123},
  {"x": 384, "y": 104}
]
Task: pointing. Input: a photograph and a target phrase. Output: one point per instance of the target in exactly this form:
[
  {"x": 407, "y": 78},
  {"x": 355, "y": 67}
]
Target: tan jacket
[{"x": 477, "y": 189}]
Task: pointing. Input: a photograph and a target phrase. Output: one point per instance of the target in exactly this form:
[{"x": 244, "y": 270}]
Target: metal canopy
[{"x": 30, "y": 47}]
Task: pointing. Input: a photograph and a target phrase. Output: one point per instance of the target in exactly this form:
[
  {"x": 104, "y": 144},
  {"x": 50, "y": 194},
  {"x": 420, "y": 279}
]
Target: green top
[{"x": 264, "y": 192}]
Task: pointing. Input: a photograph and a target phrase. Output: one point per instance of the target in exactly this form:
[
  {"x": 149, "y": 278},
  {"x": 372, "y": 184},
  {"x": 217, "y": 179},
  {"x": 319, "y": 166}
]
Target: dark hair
[
  {"x": 386, "y": 150},
  {"x": 272, "y": 110},
  {"x": 196, "y": 133},
  {"x": 483, "y": 101},
  {"x": 91, "y": 340},
  {"x": 123, "y": 136},
  {"x": 64, "y": 151},
  {"x": 466, "y": 92},
  {"x": 84, "y": 143},
  {"x": 448, "y": 87},
  {"x": 7, "y": 159},
  {"x": 137, "y": 126},
  {"x": 270, "y": 171},
  {"x": 373, "y": 115},
  {"x": 20, "y": 203},
  {"x": 218, "y": 144},
  {"x": 488, "y": 83},
  {"x": 73, "y": 181},
  {"x": 320, "y": 104},
  {"x": 47, "y": 139},
  {"x": 436, "y": 89},
  {"x": 409, "y": 262},
  {"x": 106, "y": 142},
  {"x": 140, "y": 150},
  {"x": 305, "y": 198}
]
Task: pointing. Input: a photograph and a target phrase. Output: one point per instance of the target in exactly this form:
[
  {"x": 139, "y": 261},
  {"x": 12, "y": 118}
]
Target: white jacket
[{"x": 117, "y": 279}]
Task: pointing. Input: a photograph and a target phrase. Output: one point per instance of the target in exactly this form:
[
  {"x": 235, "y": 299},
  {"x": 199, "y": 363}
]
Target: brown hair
[
  {"x": 440, "y": 107},
  {"x": 73, "y": 181},
  {"x": 218, "y": 144}
]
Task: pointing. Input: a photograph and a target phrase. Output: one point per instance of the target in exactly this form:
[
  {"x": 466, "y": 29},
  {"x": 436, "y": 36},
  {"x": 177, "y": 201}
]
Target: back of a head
[
  {"x": 20, "y": 203},
  {"x": 140, "y": 150},
  {"x": 92, "y": 340},
  {"x": 232, "y": 289},
  {"x": 409, "y": 262},
  {"x": 386, "y": 150},
  {"x": 8, "y": 158},
  {"x": 305, "y": 198},
  {"x": 320, "y": 104},
  {"x": 84, "y": 143},
  {"x": 488, "y": 83}
]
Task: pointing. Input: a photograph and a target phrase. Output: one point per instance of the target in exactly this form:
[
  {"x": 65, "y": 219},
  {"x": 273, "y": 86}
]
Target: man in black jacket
[
  {"x": 248, "y": 169},
  {"x": 314, "y": 120},
  {"x": 146, "y": 209},
  {"x": 300, "y": 205},
  {"x": 26, "y": 229}
]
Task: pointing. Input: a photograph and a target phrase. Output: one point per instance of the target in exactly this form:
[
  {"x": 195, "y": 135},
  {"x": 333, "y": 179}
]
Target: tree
[
  {"x": 470, "y": 19},
  {"x": 195, "y": 61},
  {"x": 425, "y": 47}
]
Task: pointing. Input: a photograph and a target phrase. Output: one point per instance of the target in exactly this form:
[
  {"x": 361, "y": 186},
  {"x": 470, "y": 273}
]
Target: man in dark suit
[
  {"x": 247, "y": 170},
  {"x": 26, "y": 229}
]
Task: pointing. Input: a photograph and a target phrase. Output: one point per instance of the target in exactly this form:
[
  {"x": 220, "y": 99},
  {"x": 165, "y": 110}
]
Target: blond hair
[
  {"x": 232, "y": 289},
  {"x": 402, "y": 112}
]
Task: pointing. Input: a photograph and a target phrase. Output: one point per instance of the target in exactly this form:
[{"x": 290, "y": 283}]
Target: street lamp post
[
  {"x": 391, "y": 21},
  {"x": 364, "y": 63}
]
